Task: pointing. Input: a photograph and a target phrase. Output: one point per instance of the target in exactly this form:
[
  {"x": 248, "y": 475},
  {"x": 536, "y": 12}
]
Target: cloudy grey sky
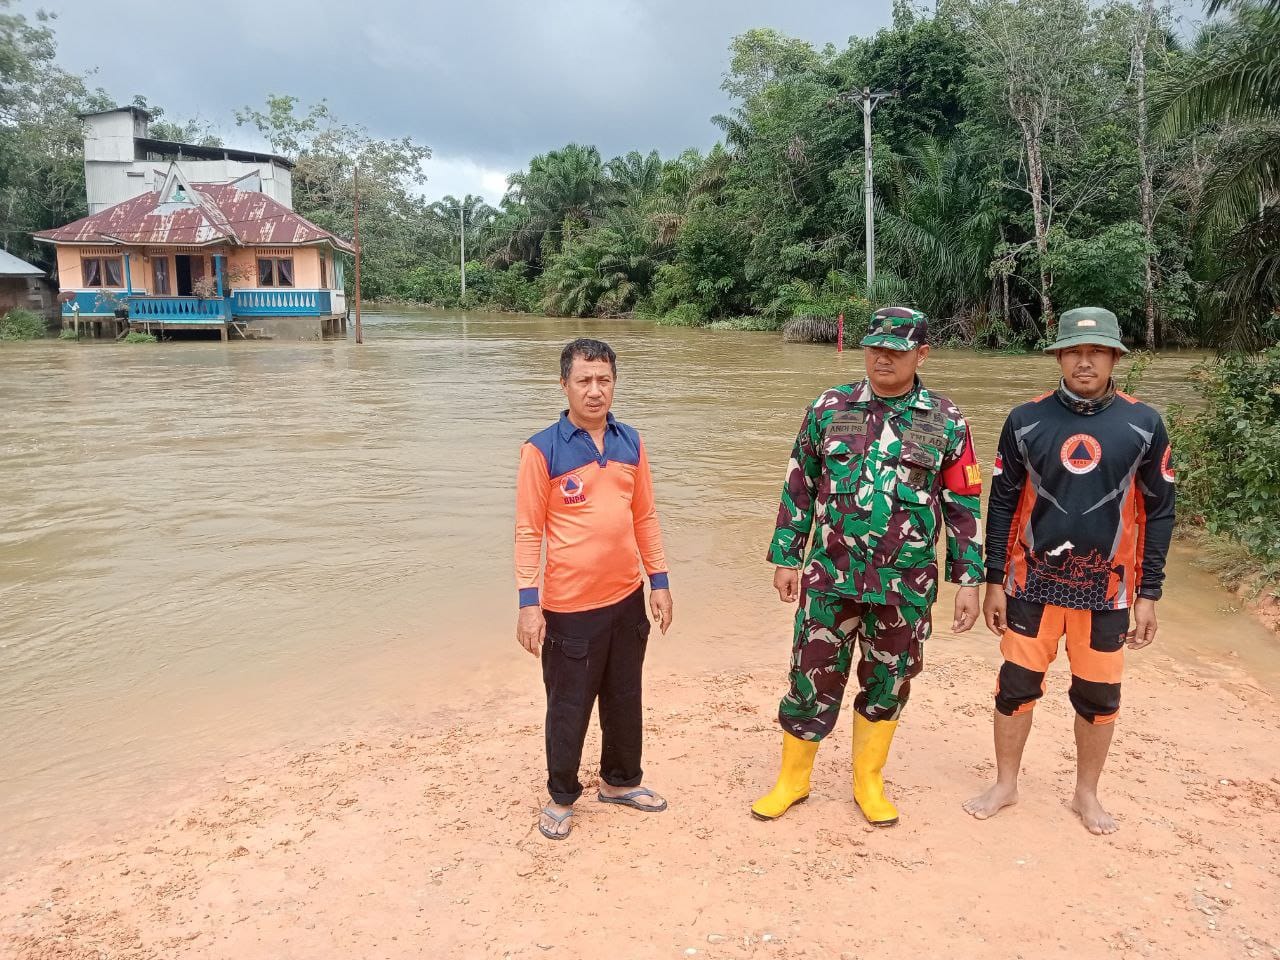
[{"x": 485, "y": 83}]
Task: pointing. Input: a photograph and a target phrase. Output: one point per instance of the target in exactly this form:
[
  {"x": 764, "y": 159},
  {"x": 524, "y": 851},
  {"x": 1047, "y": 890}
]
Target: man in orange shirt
[{"x": 584, "y": 487}]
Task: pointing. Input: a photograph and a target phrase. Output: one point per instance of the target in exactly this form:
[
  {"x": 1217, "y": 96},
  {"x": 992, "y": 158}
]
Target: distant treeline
[{"x": 1037, "y": 155}]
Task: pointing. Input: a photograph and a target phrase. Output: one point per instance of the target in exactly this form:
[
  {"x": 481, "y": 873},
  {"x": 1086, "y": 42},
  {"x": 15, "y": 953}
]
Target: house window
[
  {"x": 160, "y": 276},
  {"x": 102, "y": 272},
  {"x": 324, "y": 272},
  {"x": 275, "y": 271}
]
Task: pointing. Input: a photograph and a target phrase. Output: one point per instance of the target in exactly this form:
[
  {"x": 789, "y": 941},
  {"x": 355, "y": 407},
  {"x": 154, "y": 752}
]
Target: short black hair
[{"x": 587, "y": 349}]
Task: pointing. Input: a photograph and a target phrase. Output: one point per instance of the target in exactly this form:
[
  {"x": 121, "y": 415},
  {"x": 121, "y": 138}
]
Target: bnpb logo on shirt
[{"x": 572, "y": 489}]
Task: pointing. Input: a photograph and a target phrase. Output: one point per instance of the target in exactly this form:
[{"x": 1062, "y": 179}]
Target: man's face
[
  {"x": 893, "y": 372},
  {"x": 589, "y": 389},
  {"x": 1086, "y": 369}
]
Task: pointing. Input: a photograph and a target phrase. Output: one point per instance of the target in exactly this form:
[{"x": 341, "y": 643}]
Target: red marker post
[{"x": 840, "y": 334}]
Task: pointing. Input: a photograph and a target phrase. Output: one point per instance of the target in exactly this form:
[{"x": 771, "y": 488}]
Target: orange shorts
[{"x": 1095, "y": 650}]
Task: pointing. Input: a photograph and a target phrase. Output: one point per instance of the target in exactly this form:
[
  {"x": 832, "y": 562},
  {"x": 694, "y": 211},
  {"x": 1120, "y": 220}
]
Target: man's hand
[
  {"x": 966, "y": 609},
  {"x": 531, "y": 629},
  {"x": 1144, "y": 624},
  {"x": 660, "y": 607},
  {"x": 993, "y": 608},
  {"x": 786, "y": 580}
]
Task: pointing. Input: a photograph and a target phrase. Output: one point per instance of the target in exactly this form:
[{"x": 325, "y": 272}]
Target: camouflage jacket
[{"x": 881, "y": 477}]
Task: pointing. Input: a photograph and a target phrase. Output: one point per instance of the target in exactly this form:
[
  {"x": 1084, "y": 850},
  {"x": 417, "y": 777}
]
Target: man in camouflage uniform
[{"x": 881, "y": 465}]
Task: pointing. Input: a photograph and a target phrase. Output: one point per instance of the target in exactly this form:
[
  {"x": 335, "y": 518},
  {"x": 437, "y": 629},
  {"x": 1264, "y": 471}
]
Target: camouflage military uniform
[{"x": 880, "y": 477}]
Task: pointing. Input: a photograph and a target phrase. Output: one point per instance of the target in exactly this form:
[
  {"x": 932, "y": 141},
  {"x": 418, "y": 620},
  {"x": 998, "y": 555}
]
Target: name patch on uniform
[
  {"x": 847, "y": 423},
  {"x": 923, "y": 437}
]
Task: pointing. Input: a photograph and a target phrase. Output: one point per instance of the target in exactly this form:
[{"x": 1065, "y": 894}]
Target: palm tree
[
  {"x": 562, "y": 190},
  {"x": 448, "y": 216},
  {"x": 606, "y": 269},
  {"x": 636, "y": 176},
  {"x": 1235, "y": 91},
  {"x": 938, "y": 227}
]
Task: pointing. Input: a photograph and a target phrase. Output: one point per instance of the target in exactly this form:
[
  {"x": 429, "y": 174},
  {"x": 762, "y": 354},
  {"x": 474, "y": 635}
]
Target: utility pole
[
  {"x": 868, "y": 99},
  {"x": 356, "y": 186},
  {"x": 462, "y": 252}
]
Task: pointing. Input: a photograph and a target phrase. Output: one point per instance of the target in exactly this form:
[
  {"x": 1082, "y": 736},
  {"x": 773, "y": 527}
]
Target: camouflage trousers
[{"x": 831, "y": 630}]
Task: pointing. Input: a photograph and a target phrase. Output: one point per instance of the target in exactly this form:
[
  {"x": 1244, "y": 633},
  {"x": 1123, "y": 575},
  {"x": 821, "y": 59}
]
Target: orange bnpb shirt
[{"x": 596, "y": 513}]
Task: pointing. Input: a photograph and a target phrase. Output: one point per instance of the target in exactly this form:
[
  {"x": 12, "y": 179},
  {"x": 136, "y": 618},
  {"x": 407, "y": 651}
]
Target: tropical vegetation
[
  {"x": 1010, "y": 181},
  {"x": 20, "y": 324}
]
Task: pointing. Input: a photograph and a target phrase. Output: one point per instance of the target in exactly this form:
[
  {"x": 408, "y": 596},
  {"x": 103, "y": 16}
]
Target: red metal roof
[{"x": 219, "y": 213}]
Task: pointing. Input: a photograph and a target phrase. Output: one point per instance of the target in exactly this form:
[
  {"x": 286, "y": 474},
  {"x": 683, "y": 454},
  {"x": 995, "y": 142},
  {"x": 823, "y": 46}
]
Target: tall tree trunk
[
  {"x": 1145, "y": 198},
  {"x": 1035, "y": 183}
]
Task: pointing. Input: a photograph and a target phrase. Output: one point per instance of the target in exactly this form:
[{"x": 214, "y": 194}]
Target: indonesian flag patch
[{"x": 999, "y": 467}]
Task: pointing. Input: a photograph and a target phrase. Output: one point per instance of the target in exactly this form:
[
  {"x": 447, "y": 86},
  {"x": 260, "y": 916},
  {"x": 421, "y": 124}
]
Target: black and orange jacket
[{"x": 1081, "y": 508}]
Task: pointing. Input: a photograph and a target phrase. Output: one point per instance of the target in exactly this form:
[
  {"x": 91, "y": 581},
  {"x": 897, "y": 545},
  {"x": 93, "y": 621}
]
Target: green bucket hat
[
  {"x": 897, "y": 328},
  {"x": 1092, "y": 325}
]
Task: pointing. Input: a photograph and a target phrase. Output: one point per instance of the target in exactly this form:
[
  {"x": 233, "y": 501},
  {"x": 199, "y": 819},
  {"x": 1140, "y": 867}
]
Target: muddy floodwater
[{"x": 209, "y": 549}]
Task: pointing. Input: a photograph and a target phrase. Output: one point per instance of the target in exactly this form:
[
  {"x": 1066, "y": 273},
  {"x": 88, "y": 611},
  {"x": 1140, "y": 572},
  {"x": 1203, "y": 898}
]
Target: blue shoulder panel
[
  {"x": 565, "y": 449},
  {"x": 626, "y": 445}
]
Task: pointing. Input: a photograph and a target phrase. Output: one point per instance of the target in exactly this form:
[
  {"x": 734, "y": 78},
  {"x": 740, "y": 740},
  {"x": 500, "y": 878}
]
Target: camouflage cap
[
  {"x": 1088, "y": 325},
  {"x": 897, "y": 328}
]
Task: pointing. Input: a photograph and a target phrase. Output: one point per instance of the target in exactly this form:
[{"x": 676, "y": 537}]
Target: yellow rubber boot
[
  {"x": 793, "y": 780},
  {"x": 871, "y": 740}
]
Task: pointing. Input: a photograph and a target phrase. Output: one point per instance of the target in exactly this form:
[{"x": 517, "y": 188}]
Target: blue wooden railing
[
  {"x": 242, "y": 303},
  {"x": 178, "y": 309},
  {"x": 280, "y": 303}
]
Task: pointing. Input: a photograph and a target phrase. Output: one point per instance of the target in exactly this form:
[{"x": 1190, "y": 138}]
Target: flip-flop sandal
[
  {"x": 559, "y": 818},
  {"x": 629, "y": 800}
]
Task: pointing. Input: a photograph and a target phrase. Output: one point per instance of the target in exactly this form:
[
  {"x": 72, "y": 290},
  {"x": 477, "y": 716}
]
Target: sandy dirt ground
[{"x": 418, "y": 839}]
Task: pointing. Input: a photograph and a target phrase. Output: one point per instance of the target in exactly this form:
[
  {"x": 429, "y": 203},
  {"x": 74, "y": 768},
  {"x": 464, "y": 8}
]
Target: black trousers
[{"x": 589, "y": 655}]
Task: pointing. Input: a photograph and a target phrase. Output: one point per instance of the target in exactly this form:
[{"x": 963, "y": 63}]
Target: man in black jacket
[{"x": 1078, "y": 528}]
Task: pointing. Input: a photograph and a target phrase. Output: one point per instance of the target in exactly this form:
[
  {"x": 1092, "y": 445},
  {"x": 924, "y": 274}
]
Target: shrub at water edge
[{"x": 20, "y": 324}]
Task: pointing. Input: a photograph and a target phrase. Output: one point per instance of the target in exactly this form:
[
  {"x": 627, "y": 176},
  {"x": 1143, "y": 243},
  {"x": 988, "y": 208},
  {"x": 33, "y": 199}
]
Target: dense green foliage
[
  {"x": 22, "y": 324},
  {"x": 1234, "y": 94},
  {"x": 1011, "y": 181},
  {"x": 1229, "y": 454}
]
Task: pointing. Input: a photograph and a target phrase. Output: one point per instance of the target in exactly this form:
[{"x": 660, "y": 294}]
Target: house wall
[
  {"x": 306, "y": 266},
  {"x": 108, "y": 137},
  {"x": 110, "y": 182},
  {"x": 242, "y": 264},
  {"x": 71, "y": 276},
  {"x": 28, "y": 293},
  {"x": 112, "y": 174}
]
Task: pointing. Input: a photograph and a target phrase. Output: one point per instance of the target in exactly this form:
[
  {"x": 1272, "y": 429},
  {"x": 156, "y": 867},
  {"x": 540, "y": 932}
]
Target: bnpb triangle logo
[
  {"x": 1081, "y": 453},
  {"x": 571, "y": 488}
]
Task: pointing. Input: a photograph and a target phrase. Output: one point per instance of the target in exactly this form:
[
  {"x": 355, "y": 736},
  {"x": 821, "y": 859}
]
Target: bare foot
[
  {"x": 987, "y": 805},
  {"x": 649, "y": 799},
  {"x": 1098, "y": 821}
]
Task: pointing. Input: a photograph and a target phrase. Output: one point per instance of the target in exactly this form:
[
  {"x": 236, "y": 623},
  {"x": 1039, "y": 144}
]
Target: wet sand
[{"x": 417, "y": 838}]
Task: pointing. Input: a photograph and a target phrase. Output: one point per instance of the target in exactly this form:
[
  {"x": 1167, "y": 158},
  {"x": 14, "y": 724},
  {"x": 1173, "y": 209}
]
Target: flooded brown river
[{"x": 207, "y": 549}]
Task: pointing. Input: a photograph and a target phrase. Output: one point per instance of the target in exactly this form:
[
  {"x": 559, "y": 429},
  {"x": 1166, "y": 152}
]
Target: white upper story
[{"x": 121, "y": 161}]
